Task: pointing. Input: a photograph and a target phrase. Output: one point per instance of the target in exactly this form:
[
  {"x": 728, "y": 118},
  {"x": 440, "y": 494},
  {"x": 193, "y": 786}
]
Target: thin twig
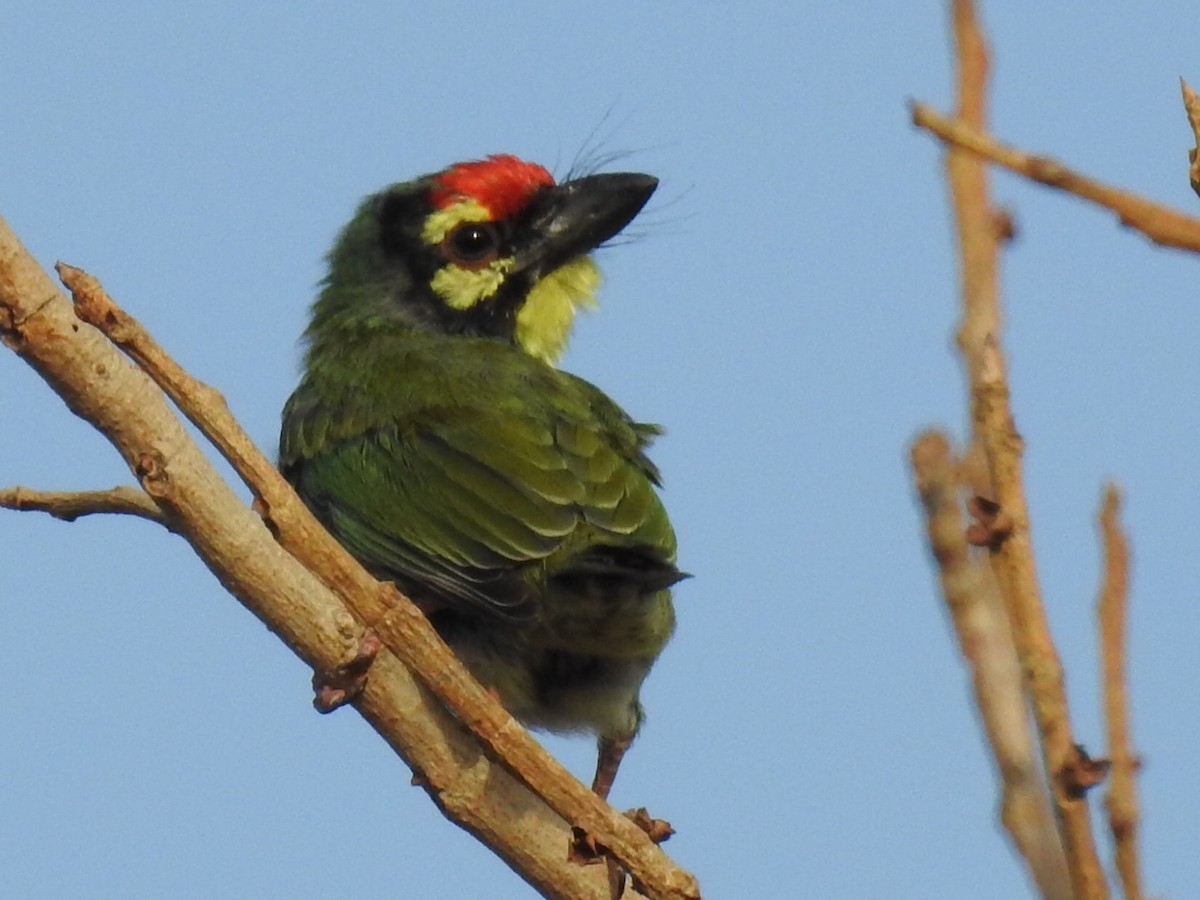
[
  {"x": 1121, "y": 801},
  {"x": 985, "y": 640},
  {"x": 979, "y": 231},
  {"x": 1159, "y": 223},
  {"x": 393, "y": 618},
  {"x": 71, "y": 505}
]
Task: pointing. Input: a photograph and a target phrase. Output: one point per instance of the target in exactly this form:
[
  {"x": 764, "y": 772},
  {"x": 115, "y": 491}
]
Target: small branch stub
[
  {"x": 343, "y": 686},
  {"x": 71, "y": 505},
  {"x": 991, "y": 526},
  {"x": 1082, "y": 773},
  {"x": 1191, "y": 105},
  {"x": 92, "y": 303}
]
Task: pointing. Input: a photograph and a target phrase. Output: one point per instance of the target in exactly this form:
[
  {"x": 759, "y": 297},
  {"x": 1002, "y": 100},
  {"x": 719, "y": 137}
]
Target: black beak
[{"x": 574, "y": 218}]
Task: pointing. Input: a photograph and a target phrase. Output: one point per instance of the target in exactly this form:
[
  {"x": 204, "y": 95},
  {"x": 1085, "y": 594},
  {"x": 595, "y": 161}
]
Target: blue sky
[{"x": 786, "y": 313}]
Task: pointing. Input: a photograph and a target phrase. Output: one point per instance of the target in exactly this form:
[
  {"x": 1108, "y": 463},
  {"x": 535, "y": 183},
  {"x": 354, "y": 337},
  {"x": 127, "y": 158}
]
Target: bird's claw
[{"x": 586, "y": 850}]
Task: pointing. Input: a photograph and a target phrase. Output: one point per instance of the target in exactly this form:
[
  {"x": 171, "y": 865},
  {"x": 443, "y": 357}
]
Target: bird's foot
[
  {"x": 341, "y": 686},
  {"x": 586, "y": 850}
]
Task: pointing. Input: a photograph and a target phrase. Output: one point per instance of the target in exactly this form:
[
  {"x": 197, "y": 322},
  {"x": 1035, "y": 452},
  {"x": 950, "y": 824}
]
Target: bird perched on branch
[{"x": 434, "y": 437}]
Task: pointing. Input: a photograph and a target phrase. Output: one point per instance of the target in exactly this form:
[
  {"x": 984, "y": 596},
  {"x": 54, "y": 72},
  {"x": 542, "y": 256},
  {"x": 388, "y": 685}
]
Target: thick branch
[
  {"x": 980, "y": 228},
  {"x": 100, "y": 385},
  {"x": 985, "y": 640},
  {"x": 1159, "y": 223},
  {"x": 1121, "y": 802}
]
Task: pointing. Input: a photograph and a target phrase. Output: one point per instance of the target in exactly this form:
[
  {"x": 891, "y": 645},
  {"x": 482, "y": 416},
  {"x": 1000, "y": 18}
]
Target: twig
[
  {"x": 985, "y": 640},
  {"x": 1121, "y": 801},
  {"x": 979, "y": 231},
  {"x": 40, "y": 325},
  {"x": 1159, "y": 223},
  {"x": 1191, "y": 106},
  {"x": 71, "y": 505}
]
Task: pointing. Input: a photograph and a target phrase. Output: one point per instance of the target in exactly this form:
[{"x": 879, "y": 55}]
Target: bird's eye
[{"x": 472, "y": 245}]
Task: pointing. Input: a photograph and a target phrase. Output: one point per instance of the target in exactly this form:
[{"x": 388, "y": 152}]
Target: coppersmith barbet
[{"x": 434, "y": 437}]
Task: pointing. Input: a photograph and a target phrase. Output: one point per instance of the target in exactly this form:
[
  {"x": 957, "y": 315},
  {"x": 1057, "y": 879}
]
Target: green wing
[{"x": 457, "y": 502}]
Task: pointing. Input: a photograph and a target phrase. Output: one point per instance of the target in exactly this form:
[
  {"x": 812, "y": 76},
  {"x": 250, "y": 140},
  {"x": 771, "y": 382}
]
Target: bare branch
[
  {"x": 1159, "y": 223},
  {"x": 1112, "y": 608},
  {"x": 40, "y": 325},
  {"x": 980, "y": 229},
  {"x": 985, "y": 640},
  {"x": 71, "y": 505}
]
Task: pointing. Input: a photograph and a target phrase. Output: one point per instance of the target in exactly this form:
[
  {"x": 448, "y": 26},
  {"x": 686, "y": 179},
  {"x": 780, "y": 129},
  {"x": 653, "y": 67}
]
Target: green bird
[{"x": 434, "y": 437}]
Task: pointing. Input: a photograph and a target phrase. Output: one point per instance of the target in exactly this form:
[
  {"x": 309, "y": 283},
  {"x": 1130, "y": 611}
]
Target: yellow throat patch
[{"x": 544, "y": 321}]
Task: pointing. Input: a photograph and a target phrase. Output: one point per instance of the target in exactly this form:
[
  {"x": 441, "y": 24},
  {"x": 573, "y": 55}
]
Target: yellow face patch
[
  {"x": 463, "y": 288},
  {"x": 544, "y": 320}
]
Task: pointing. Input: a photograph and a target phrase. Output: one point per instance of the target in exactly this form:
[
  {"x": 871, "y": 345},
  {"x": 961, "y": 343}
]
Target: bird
[{"x": 434, "y": 436}]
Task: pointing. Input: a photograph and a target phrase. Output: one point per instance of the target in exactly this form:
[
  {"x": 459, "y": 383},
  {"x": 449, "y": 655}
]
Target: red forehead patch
[{"x": 501, "y": 184}]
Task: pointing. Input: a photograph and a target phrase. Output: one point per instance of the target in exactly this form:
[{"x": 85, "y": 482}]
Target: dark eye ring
[{"x": 472, "y": 245}]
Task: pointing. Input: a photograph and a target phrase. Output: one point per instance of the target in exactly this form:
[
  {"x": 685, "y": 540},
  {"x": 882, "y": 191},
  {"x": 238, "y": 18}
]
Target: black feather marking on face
[{"x": 400, "y": 216}]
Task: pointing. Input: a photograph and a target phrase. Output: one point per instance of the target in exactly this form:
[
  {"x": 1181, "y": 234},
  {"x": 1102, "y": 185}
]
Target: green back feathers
[{"x": 445, "y": 463}]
